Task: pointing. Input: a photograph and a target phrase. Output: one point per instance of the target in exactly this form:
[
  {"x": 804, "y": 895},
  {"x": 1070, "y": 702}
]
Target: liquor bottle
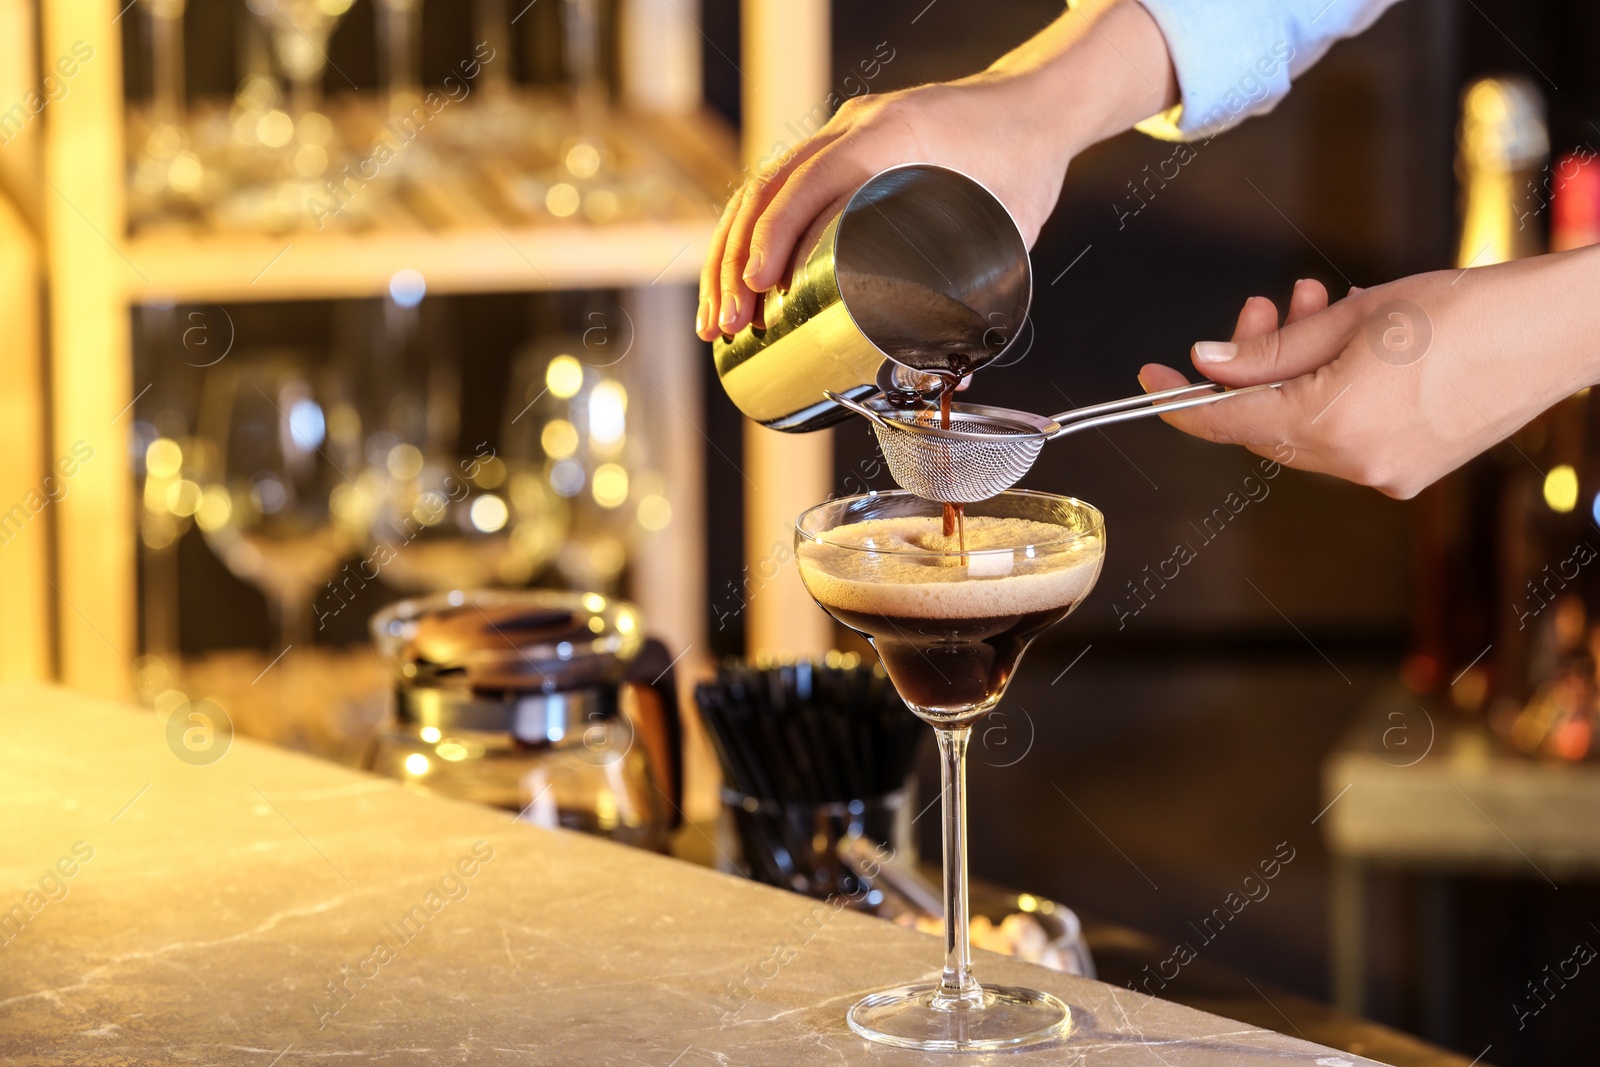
[
  {"x": 1466, "y": 533},
  {"x": 1559, "y": 612}
]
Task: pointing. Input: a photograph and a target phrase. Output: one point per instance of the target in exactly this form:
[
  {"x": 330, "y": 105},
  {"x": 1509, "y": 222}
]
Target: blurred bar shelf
[
  {"x": 99, "y": 253},
  {"x": 328, "y": 266},
  {"x": 1432, "y": 793},
  {"x": 464, "y": 230},
  {"x": 101, "y": 250}
]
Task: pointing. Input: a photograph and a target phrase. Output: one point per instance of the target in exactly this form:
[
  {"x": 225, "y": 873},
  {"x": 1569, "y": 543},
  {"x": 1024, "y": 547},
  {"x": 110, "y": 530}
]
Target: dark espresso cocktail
[
  {"x": 950, "y": 620},
  {"x": 949, "y": 627}
]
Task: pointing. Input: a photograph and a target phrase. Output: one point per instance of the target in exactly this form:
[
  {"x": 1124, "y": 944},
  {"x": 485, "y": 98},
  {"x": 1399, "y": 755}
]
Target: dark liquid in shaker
[{"x": 919, "y": 326}]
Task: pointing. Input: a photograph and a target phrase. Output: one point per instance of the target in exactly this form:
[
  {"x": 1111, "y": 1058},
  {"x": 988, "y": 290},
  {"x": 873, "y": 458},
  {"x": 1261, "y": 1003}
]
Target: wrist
[
  {"x": 1551, "y": 314},
  {"x": 1580, "y": 282},
  {"x": 1092, "y": 74},
  {"x": 1526, "y": 328}
]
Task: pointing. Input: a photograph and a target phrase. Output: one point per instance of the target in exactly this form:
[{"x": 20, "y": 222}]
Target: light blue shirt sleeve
[{"x": 1236, "y": 58}]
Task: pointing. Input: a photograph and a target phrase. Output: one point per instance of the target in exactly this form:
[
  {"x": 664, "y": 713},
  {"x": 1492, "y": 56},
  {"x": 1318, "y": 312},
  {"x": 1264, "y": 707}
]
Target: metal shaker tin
[{"x": 922, "y": 268}]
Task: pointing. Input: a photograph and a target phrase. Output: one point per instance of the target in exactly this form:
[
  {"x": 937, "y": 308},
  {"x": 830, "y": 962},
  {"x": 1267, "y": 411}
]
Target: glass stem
[
  {"x": 492, "y": 29},
  {"x": 400, "y": 22},
  {"x": 957, "y": 987},
  {"x": 581, "y": 28},
  {"x": 294, "y": 619},
  {"x": 166, "y": 49},
  {"x": 305, "y": 95}
]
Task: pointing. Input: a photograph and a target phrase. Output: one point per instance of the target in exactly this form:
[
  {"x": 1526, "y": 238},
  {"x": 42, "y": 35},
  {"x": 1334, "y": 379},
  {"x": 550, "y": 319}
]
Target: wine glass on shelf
[
  {"x": 258, "y": 144},
  {"x": 497, "y": 125},
  {"x": 167, "y": 172},
  {"x": 400, "y": 61},
  {"x": 470, "y": 523},
  {"x": 491, "y": 26},
  {"x": 281, "y": 454},
  {"x": 575, "y": 430},
  {"x": 300, "y": 30},
  {"x": 951, "y": 626},
  {"x": 584, "y": 176},
  {"x": 166, "y": 58},
  {"x": 445, "y": 516},
  {"x": 400, "y": 30}
]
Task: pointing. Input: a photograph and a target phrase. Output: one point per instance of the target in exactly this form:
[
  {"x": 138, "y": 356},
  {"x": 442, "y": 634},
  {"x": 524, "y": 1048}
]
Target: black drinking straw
[{"x": 808, "y": 732}]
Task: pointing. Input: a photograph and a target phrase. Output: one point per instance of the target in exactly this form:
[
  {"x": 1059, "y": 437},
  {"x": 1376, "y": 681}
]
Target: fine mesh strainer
[{"x": 987, "y": 450}]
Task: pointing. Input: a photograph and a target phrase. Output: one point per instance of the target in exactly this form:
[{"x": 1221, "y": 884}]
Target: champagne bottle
[
  {"x": 1469, "y": 544},
  {"x": 1559, "y": 616}
]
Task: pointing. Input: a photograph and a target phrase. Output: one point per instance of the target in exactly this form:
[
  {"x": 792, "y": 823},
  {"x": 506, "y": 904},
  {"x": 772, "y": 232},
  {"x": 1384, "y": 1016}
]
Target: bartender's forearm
[
  {"x": 1545, "y": 314},
  {"x": 1091, "y": 74}
]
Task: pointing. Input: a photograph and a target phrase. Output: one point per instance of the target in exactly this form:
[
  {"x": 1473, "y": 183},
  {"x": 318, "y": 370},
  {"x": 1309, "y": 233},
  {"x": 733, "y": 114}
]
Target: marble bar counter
[{"x": 270, "y": 909}]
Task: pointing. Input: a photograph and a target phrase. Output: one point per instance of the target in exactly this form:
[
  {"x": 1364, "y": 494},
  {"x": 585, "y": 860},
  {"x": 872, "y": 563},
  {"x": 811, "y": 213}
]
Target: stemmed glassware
[
  {"x": 300, "y": 30},
  {"x": 165, "y": 462},
  {"x": 951, "y": 621},
  {"x": 281, "y": 506},
  {"x": 446, "y": 515},
  {"x": 167, "y": 171},
  {"x": 574, "y": 430},
  {"x": 399, "y": 26},
  {"x": 491, "y": 26},
  {"x": 166, "y": 58},
  {"x": 265, "y": 162}
]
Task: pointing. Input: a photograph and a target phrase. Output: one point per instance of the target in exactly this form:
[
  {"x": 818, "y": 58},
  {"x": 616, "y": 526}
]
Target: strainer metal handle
[
  {"x": 1138, "y": 400},
  {"x": 986, "y": 450},
  {"x": 1145, "y": 404},
  {"x": 859, "y": 408}
]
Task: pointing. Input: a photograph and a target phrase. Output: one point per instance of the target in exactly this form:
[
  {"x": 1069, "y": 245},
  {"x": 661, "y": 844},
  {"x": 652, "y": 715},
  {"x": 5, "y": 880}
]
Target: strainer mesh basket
[{"x": 978, "y": 457}]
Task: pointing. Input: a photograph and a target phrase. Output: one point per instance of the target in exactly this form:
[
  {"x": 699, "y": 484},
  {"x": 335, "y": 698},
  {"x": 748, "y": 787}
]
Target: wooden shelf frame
[
  {"x": 339, "y": 265},
  {"x": 90, "y": 350},
  {"x": 25, "y": 621}
]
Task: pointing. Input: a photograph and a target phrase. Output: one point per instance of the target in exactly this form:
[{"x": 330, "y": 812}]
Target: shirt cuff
[{"x": 1232, "y": 61}]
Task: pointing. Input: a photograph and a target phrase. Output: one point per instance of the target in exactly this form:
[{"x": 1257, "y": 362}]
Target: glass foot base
[{"x": 1007, "y": 1017}]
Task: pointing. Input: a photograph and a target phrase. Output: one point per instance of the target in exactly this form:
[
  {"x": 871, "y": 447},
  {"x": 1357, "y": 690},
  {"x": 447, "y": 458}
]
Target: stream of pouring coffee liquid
[{"x": 955, "y": 515}]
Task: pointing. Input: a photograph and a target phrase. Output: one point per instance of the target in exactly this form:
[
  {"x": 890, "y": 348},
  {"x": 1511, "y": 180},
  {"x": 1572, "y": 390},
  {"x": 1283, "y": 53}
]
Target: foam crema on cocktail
[{"x": 951, "y": 623}]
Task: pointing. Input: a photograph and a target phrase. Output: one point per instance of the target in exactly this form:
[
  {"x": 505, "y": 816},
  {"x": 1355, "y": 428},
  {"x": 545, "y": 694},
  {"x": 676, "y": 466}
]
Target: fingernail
[
  {"x": 1215, "y": 351},
  {"x": 730, "y": 310},
  {"x": 701, "y": 315},
  {"x": 753, "y": 267}
]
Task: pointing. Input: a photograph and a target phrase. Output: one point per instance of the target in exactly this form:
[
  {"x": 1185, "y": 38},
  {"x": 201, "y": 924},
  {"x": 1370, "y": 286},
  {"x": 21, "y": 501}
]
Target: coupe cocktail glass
[{"x": 950, "y": 627}]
